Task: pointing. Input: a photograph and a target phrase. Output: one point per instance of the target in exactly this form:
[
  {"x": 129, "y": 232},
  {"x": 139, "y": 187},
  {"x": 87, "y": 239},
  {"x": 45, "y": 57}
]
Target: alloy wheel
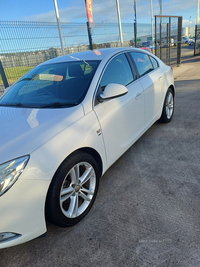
[
  {"x": 77, "y": 189},
  {"x": 169, "y": 106}
]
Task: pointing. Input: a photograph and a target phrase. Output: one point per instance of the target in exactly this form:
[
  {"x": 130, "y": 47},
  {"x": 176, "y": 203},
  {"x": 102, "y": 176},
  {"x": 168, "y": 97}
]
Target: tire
[
  {"x": 73, "y": 190},
  {"x": 168, "y": 107}
]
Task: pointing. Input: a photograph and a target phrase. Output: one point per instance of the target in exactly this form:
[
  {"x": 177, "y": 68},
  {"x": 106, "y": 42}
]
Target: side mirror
[{"x": 112, "y": 90}]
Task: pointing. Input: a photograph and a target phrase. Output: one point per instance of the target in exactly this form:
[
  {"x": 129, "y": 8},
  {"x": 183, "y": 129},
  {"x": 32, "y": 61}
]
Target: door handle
[
  {"x": 138, "y": 95},
  {"x": 160, "y": 77}
]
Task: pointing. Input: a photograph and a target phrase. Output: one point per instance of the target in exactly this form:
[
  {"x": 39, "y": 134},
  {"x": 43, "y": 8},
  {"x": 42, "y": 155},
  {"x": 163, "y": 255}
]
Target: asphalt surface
[{"x": 147, "y": 211}]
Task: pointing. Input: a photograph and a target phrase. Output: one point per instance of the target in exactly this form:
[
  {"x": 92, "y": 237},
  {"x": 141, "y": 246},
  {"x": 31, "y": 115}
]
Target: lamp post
[
  {"x": 160, "y": 1},
  {"x": 135, "y": 24},
  {"x": 119, "y": 22},
  {"x": 152, "y": 32},
  {"x": 59, "y": 28},
  {"x": 105, "y": 31}
]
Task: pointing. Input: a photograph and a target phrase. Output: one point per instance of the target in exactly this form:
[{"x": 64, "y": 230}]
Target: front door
[{"x": 122, "y": 119}]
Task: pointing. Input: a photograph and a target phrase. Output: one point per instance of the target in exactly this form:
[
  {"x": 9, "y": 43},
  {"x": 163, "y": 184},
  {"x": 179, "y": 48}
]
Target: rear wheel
[
  {"x": 73, "y": 190},
  {"x": 168, "y": 107}
]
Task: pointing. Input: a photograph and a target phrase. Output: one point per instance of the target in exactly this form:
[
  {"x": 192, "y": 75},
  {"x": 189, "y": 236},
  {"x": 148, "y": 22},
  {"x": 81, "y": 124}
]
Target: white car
[
  {"x": 191, "y": 41},
  {"x": 184, "y": 40},
  {"x": 63, "y": 124}
]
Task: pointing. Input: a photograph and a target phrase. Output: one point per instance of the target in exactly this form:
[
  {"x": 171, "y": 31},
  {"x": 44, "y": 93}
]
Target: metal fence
[
  {"x": 197, "y": 40},
  {"x": 26, "y": 44},
  {"x": 23, "y": 45},
  {"x": 168, "y": 32}
]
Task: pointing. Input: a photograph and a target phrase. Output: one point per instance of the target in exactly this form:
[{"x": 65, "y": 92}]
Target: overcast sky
[{"x": 103, "y": 10}]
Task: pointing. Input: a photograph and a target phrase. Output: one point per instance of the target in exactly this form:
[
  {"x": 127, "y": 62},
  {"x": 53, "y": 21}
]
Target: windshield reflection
[{"x": 57, "y": 85}]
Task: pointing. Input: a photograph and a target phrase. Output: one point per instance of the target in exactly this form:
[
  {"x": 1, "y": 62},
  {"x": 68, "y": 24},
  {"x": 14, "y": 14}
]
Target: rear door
[{"x": 152, "y": 80}]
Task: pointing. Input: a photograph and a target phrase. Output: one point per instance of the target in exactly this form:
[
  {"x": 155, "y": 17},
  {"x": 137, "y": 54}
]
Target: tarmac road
[{"x": 147, "y": 212}]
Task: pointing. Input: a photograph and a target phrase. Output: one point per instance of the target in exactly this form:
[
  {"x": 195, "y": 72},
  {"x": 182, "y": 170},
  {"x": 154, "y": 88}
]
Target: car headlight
[{"x": 10, "y": 171}]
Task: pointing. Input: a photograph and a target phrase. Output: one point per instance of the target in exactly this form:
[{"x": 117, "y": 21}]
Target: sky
[{"x": 103, "y": 10}]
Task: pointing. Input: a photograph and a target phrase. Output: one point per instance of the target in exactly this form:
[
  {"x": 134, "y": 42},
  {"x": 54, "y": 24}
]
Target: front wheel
[
  {"x": 168, "y": 107},
  {"x": 73, "y": 190}
]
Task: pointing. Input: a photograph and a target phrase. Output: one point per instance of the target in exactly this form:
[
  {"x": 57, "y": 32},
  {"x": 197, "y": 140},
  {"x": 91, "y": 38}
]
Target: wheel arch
[
  {"x": 163, "y": 118},
  {"x": 94, "y": 154},
  {"x": 88, "y": 150},
  {"x": 173, "y": 88}
]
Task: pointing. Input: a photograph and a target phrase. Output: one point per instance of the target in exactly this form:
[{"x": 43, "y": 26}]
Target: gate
[
  {"x": 168, "y": 33},
  {"x": 197, "y": 40}
]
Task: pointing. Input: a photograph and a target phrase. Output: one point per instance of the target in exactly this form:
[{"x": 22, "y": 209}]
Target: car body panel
[
  {"x": 20, "y": 125},
  {"x": 117, "y": 129},
  {"x": 25, "y": 215},
  {"x": 153, "y": 85}
]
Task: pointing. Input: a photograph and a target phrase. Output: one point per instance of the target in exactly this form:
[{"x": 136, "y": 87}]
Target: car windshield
[{"x": 52, "y": 85}]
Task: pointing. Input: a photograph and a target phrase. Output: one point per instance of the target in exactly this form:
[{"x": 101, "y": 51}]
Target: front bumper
[{"x": 22, "y": 212}]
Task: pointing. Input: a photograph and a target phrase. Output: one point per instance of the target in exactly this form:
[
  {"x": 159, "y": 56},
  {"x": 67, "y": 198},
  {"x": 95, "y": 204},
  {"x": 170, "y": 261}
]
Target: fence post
[
  {"x": 179, "y": 35},
  {"x": 167, "y": 48},
  {"x": 155, "y": 35},
  {"x": 160, "y": 37},
  {"x": 195, "y": 40},
  {"x": 89, "y": 35},
  {"x": 3, "y": 76},
  {"x": 169, "y": 41}
]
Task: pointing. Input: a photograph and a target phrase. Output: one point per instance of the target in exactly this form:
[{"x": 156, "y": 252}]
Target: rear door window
[
  {"x": 154, "y": 62},
  {"x": 142, "y": 62}
]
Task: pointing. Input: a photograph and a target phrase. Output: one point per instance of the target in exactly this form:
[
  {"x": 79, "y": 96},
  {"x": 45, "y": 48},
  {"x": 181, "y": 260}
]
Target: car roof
[{"x": 99, "y": 54}]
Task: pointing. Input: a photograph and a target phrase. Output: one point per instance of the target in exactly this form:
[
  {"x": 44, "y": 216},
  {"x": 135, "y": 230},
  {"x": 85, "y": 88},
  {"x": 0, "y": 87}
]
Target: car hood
[{"x": 22, "y": 130}]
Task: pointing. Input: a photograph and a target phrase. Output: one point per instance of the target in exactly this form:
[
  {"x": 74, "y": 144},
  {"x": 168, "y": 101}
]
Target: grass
[{"x": 14, "y": 73}]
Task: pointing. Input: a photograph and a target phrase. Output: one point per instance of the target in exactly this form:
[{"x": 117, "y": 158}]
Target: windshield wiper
[
  {"x": 50, "y": 105},
  {"x": 12, "y": 105},
  {"x": 58, "y": 105},
  {"x": 25, "y": 79}
]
